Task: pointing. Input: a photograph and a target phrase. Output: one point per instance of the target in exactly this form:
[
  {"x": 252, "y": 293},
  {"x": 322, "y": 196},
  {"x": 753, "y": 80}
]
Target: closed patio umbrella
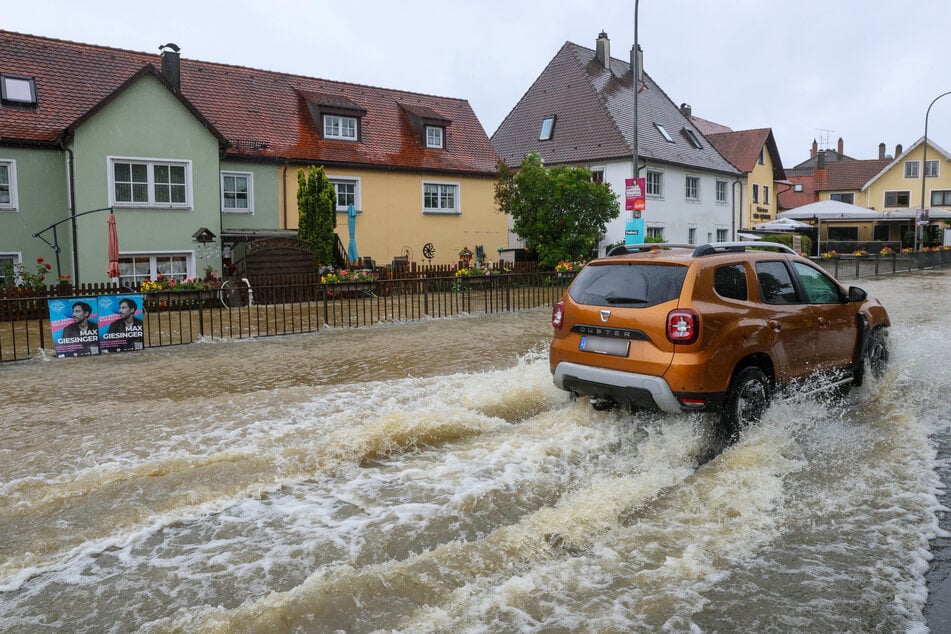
[
  {"x": 352, "y": 254},
  {"x": 112, "y": 247}
]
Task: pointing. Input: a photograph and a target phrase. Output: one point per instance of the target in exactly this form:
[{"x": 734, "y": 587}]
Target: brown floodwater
[{"x": 428, "y": 477}]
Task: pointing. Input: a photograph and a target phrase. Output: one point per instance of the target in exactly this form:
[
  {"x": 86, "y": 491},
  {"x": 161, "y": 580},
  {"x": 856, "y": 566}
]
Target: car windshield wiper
[{"x": 625, "y": 300}]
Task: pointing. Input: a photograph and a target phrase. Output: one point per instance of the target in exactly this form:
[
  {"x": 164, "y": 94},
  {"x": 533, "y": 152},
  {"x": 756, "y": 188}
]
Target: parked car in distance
[{"x": 714, "y": 328}]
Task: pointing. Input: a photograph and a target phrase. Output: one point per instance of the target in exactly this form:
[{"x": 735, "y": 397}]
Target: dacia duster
[{"x": 713, "y": 328}]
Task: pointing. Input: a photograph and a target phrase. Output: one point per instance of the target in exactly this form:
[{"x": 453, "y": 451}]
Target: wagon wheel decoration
[{"x": 429, "y": 251}]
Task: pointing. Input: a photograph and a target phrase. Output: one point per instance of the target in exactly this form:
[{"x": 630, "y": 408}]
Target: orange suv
[{"x": 711, "y": 328}]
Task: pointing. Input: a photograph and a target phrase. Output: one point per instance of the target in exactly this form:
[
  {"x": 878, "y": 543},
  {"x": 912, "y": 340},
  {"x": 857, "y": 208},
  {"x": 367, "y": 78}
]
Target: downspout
[
  {"x": 284, "y": 190},
  {"x": 71, "y": 193},
  {"x": 738, "y": 208}
]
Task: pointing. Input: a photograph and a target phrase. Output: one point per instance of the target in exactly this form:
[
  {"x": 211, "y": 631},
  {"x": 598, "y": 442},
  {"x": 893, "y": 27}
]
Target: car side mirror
[{"x": 857, "y": 294}]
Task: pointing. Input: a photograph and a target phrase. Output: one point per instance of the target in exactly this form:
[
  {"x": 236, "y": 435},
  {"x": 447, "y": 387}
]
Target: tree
[
  {"x": 560, "y": 212},
  {"x": 317, "y": 213}
]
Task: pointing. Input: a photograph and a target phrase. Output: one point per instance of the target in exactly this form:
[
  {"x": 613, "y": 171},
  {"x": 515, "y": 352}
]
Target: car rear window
[{"x": 628, "y": 284}]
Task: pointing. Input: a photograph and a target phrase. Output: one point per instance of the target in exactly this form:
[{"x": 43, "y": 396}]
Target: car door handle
[{"x": 773, "y": 325}]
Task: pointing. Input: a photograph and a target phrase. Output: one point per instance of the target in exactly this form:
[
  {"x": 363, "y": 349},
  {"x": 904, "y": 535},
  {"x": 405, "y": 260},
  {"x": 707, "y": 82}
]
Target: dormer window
[
  {"x": 429, "y": 125},
  {"x": 16, "y": 89},
  {"x": 337, "y": 116},
  {"x": 664, "y": 133},
  {"x": 434, "y": 136},
  {"x": 548, "y": 128},
  {"x": 338, "y": 127},
  {"x": 692, "y": 137}
]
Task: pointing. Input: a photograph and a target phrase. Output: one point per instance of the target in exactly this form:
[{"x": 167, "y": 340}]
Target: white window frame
[
  {"x": 11, "y": 166},
  {"x": 599, "y": 170},
  {"x": 151, "y": 164},
  {"x": 721, "y": 188},
  {"x": 435, "y": 137},
  {"x": 687, "y": 196},
  {"x": 341, "y": 127},
  {"x": 660, "y": 184},
  {"x": 346, "y": 180},
  {"x": 692, "y": 234},
  {"x": 912, "y": 169},
  {"x": 655, "y": 231},
  {"x": 755, "y": 195},
  {"x": 134, "y": 282},
  {"x": 238, "y": 210},
  {"x": 723, "y": 232},
  {"x": 443, "y": 185},
  {"x": 17, "y": 258},
  {"x": 931, "y": 173}
]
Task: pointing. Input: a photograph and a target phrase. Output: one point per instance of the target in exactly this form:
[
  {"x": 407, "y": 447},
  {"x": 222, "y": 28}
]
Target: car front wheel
[{"x": 746, "y": 401}]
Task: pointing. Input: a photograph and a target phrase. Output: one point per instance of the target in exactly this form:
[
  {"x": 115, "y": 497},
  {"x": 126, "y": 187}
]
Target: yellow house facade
[{"x": 393, "y": 219}]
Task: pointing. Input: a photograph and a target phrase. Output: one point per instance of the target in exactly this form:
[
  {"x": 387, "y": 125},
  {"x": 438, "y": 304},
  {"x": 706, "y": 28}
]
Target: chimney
[
  {"x": 815, "y": 149},
  {"x": 820, "y": 174},
  {"x": 686, "y": 110},
  {"x": 898, "y": 150},
  {"x": 841, "y": 144},
  {"x": 637, "y": 63},
  {"x": 171, "y": 65},
  {"x": 881, "y": 151},
  {"x": 603, "y": 50}
]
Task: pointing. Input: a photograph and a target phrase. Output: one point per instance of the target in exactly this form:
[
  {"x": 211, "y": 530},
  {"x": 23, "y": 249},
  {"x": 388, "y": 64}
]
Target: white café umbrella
[{"x": 783, "y": 224}]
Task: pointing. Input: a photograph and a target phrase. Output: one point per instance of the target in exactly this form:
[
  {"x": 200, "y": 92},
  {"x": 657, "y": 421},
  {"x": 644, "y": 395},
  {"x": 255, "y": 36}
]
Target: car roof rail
[
  {"x": 622, "y": 249},
  {"x": 739, "y": 247}
]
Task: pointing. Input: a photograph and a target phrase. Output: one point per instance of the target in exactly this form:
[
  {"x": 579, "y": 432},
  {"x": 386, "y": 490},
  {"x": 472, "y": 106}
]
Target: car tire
[
  {"x": 876, "y": 352},
  {"x": 875, "y": 357},
  {"x": 746, "y": 401}
]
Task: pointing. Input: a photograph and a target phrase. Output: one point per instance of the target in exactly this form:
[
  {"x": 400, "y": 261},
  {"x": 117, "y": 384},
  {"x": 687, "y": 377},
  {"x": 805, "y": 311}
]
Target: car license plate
[{"x": 604, "y": 345}]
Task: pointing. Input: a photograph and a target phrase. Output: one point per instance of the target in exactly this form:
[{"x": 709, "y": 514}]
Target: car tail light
[
  {"x": 683, "y": 326},
  {"x": 558, "y": 315}
]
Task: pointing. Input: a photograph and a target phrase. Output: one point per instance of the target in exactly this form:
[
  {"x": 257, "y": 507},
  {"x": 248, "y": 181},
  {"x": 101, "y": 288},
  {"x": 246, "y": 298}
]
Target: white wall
[{"x": 673, "y": 211}]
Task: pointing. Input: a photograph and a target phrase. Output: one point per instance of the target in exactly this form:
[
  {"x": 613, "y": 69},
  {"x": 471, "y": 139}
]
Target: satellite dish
[{"x": 429, "y": 251}]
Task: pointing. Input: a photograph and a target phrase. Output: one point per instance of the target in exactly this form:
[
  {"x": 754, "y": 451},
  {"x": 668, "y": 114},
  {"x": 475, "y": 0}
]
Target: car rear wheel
[{"x": 746, "y": 401}]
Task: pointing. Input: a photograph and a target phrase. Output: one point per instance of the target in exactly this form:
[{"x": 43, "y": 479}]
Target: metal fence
[
  {"x": 846, "y": 267},
  {"x": 285, "y": 306}
]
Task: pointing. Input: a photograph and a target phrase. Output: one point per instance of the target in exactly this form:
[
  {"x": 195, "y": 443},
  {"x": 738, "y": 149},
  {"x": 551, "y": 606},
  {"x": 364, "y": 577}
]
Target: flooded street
[{"x": 428, "y": 477}]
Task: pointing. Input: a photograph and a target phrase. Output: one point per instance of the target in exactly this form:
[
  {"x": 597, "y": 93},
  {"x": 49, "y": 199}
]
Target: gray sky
[{"x": 863, "y": 70}]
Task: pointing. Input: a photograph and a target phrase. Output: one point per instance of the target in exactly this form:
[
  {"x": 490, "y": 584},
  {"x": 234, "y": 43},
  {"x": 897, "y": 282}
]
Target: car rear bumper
[{"x": 640, "y": 390}]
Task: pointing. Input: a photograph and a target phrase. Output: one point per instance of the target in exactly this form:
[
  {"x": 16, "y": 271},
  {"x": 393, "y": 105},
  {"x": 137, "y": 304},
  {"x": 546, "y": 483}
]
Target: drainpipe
[
  {"x": 737, "y": 207},
  {"x": 284, "y": 189},
  {"x": 71, "y": 193}
]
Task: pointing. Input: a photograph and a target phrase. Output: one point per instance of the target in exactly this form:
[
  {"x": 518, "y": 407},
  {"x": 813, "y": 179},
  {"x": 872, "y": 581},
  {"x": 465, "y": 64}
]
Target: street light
[{"x": 924, "y": 164}]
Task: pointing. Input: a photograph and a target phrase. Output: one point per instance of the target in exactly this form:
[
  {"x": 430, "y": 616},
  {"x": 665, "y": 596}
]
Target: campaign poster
[
  {"x": 120, "y": 323},
  {"x": 74, "y": 324}
]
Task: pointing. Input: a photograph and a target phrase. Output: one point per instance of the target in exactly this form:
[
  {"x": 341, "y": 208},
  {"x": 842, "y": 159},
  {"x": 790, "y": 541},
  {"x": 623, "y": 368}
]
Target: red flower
[
  {"x": 39, "y": 260},
  {"x": 49, "y": 268}
]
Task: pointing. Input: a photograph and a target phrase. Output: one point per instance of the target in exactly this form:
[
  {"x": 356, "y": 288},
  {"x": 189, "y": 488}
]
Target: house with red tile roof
[
  {"x": 754, "y": 152},
  {"x": 580, "y": 112},
  {"x": 173, "y": 146},
  {"x": 886, "y": 184}
]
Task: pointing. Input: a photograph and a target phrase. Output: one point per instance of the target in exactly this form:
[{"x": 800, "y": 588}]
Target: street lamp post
[
  {"x": 635, "y": 82},
  {"x": 924, "y": 164}
]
